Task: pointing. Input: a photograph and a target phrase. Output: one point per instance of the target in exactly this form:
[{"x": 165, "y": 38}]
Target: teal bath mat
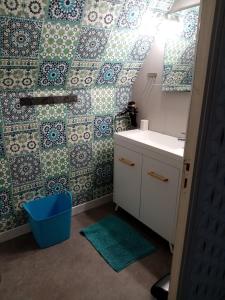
[{"x": 117, "y": 242}]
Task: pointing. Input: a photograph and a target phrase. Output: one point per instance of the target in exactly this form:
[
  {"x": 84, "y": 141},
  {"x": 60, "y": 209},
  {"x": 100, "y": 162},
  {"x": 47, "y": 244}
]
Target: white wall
[{"x": 167, "y": 112}]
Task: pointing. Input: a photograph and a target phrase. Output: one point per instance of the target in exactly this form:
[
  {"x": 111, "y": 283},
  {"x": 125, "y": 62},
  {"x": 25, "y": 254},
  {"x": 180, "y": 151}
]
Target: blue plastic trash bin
[{"x": 50, "y": 218}]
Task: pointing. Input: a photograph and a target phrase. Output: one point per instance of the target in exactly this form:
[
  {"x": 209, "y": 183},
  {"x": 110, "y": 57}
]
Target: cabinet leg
[
  {"x": 171, "y": 248},
  {"x": 116, "y": 207}
]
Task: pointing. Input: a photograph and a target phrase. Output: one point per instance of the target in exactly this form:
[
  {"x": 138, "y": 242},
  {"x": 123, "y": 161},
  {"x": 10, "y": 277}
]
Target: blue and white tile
[
  {"x": 109, "y": 73},
  {"x": 52, "y": 74},
  {"x": 53, "y": 134},
  {"x": 56, "y": 184},
  {"x": 19, "y": 37},
  {"x": 13, "y": 112},
  {"x": 103, "y": 127},
  {"x": 83, "y": 104},
  {"x": 66, "y": 10},
  {"x": 25, "y": 169},
  {"x": 92, "y": 43},
  {"x": 81, "y": 156}
]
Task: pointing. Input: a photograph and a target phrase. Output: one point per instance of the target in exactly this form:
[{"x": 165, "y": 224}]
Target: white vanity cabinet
[
  {"x": 159, "y": 196},
  {"x": 127, "y": 179},
  {"x": 147, "y": 178}
]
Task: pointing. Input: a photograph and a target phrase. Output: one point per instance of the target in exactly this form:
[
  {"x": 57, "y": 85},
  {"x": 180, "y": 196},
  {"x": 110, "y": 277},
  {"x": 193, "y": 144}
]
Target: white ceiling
[{"x": 183, "y": 4}]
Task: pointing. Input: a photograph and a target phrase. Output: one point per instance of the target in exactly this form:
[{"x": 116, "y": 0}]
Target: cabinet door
[
  {"x": 127, "y": 179},
  {"x": 159, "y": 197}
]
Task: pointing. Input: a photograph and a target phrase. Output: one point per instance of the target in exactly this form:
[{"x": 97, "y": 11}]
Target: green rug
[{"x": 118, "y": 243}]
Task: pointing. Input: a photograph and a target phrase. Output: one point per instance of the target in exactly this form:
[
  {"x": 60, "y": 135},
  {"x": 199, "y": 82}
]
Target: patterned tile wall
[
  {"x": 179, "y": 53},
  {"x": 91, "y": 48}
]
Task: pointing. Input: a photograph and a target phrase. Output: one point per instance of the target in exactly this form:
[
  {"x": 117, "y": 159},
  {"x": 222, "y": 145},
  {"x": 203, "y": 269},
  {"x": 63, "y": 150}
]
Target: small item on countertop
[{"x": 144, "y": 125}]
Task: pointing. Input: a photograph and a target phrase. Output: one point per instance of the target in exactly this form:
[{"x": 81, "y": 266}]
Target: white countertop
[{"x": 155, "y": 140}]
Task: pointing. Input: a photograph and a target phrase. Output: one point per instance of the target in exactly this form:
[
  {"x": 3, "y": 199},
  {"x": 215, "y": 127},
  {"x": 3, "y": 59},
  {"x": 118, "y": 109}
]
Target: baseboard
[{"x": 23, "y": 229}]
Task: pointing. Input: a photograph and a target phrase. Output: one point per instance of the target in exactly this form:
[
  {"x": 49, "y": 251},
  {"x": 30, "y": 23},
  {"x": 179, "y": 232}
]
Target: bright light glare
[
  {"x": 161, "y": 27},
  {"x": 170, "y": 29},
  {"x": 149, "y": 25}
]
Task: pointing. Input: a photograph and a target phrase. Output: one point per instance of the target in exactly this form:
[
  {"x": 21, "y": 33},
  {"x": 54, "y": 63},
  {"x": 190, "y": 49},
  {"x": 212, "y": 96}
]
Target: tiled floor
[{"x": 73, "y": 270}]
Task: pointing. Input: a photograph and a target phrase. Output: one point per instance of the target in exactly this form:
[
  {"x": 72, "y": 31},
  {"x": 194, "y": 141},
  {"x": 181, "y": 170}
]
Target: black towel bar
[{"x": 28, "y": 101}]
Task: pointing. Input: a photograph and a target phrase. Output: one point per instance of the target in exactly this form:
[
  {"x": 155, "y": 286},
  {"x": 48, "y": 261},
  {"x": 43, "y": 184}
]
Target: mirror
[{"x": 179, "y": 55}]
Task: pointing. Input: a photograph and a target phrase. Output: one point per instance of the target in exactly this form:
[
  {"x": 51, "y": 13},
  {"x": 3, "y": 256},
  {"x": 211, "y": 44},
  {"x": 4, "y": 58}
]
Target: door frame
[{"x": 207, "y": 14}]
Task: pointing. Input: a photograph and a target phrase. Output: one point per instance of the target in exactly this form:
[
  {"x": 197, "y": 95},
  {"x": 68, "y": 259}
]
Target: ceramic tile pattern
[
  {"x": 180, "y": 54},
  {"x": 91, "y": 48}
]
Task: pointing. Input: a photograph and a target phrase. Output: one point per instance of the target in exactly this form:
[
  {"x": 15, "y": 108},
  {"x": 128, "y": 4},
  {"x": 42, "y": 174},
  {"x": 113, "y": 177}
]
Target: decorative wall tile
[
  {"x": 24, "y": 8},
  {"x": 20, "y": 127},
  {"x": 4, "y": 173},
  {"x": 92, "y": 43},
  {"x": 109, "y": 73},
  {"x": 28, "y": 186},
  {"x": 82, "y": 74},
  {"x": 18, "y": 143},
  {"x": 20, "y": 217},
  {"x": 103, "y": 174},
  {"x": 2, "y": 149},
  {"x": 103, "y": 127},
  {"x": 5, "y": 203},
  {"x": 2, "y": 146},
  {"x": 129, "y": 73},
  {"x": 100, "y": 191},
  {"x": 190, "y": 26},
  {"x": 54, "y": 162},
  {"x": 58, "y": 40},
  {"x": 48, "y": 112},
  {"x": 12, "y": 111},
  {"x": 179, "y": 53},
  {"x": 7, "y": 223},
  {"x": 53, "y": 134},
  {"x": 103, "y": 179},
  {"x": 66, "y": 10},
  {"x": 82, "y": 188},
  {"x": 132, "y": 13},
  {"x": 103, "y": 150},
  {"x": 19, "y": 37},
  {"x": 18, "y": 74},
  {"x": 122, "y": 123},
  {"x": 52, "y": 73},
  {"x": 123, "y": 96},
  {"x": 25, "y": 196},
  {"x": 101, "y": 13},
  {"x": 50, "y": 92},
  {"x": 82, "y": 197},
  {"x": 83, "y": 104},
  {"x": 81, "y": 172},
  {"x": 171, "y": 56},
  {"x": 80, "y": 130},
  {"x": 82, "y": 183},
  {"x": 120, "y": 45},
  {"x": 89, "y": 48},
  {"x": 81, "y": 155},
  {"x": 141, "y": 48},
  {"x": 177, "y": 78},
  {"x": 187, "y": 58},
  {"x": 25, "y": 168},
  {"x": 103, "y": 100},
  {"x": 56, "y": 185}
]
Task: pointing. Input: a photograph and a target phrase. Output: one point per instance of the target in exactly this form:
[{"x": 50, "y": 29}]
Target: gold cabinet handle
[
  {"x": 157, "y": 176},
  {"x": 126, "y": 161}
]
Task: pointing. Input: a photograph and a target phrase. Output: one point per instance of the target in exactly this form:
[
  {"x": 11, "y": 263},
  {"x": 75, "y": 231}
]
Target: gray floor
[{"x": 74, "y": 270}]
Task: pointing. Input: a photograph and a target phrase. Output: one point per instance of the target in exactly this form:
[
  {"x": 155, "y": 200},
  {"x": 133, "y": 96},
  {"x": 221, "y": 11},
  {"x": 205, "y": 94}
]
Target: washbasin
[{"x": 155, "y": 140}]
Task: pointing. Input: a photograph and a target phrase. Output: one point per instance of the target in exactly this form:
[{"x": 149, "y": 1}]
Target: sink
[{"x": 155, "y": 140}]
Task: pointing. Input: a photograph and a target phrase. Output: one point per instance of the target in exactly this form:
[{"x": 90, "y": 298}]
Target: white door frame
[{"x": 203, "y": 47}]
